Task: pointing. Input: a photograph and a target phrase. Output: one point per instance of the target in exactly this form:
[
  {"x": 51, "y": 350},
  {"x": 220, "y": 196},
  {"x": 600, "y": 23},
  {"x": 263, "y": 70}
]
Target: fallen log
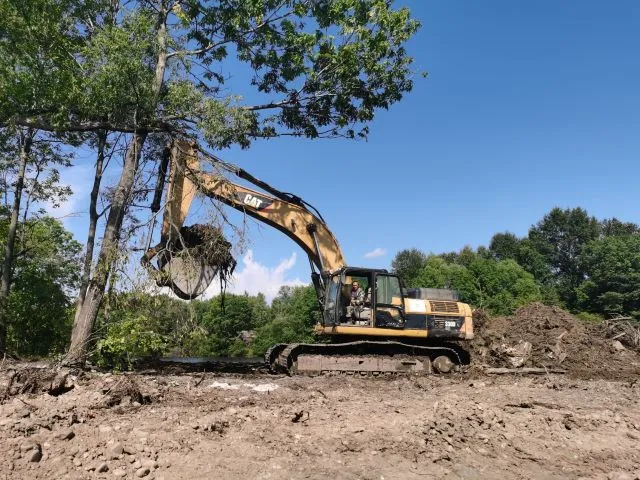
[{"x": 525, "y": 370}]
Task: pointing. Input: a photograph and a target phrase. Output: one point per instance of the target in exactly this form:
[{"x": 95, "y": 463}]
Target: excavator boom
[{"x": 284, "y": 212}]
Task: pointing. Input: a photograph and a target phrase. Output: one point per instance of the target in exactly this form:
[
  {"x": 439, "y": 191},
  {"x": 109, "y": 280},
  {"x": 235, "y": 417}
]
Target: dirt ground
[{"x": 210, "y": 426}]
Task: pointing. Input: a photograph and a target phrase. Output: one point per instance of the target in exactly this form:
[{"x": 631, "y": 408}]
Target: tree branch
[{"x": 41, "y": 123}]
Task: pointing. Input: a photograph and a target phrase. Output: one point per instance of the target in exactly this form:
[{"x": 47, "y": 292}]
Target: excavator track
[{"x": 363, "y": 357}]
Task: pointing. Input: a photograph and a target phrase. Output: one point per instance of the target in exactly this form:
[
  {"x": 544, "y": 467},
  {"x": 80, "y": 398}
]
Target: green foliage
[
  {"x": 45, "y": 276},
  {"x": 130, "y": 337},
  {"x": 322, "y": 68},
  {"x": 560, "y": 238},
  {"x": 505, "y": 246},
  {"x": 612, "y": 267},
  {"x": 569, "y": 258},
  {"x": 222, "y": 324},
  {"x": 295, "y": 311},
  {"x": 139, "y": 325},
  {"x": 497, "y": 286},
  {"x": 408, "y": 264},
  {"x": 38, "y": 70},
  {"x": 589, "y": 317}
]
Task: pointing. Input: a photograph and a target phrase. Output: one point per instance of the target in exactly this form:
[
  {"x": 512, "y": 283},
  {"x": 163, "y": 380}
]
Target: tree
[
  {"x": 44, "y": 278},
  {"x": 560, "y": 238},
  {"x": 320, "y": 69},
  {"x": 504, "y": 246},
  {"x": 295, "y": 311},
  {"x": 24, "y": 143},
  {"x": 222, "y": 324},
  {"x": 28, "y": 176},
  {"x": 613, "y": 227},
  {"x": 612, "y": 266},
  {"x": 498, "y": 286},
  {"x": 407, "y": 264}
]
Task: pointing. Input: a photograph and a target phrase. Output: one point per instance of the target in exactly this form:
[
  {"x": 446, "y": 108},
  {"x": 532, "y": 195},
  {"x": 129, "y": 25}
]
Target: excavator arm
[{"x": 285, "y": 212}]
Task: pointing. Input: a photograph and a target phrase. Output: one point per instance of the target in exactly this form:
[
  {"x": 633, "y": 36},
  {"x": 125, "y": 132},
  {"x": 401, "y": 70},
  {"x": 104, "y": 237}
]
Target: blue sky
[{"x": 527, "y": 106}]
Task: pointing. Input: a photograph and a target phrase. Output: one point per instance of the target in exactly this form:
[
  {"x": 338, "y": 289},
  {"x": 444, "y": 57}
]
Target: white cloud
[
  {"x": 375, "y": 253},
  {"x": 254, "y": 277}
]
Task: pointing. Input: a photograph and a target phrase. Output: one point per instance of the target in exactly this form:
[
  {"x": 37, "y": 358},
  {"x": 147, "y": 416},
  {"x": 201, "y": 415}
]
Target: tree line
[
  {"x": 568, "y": 258},
  {"x": 122, "y": 79}
]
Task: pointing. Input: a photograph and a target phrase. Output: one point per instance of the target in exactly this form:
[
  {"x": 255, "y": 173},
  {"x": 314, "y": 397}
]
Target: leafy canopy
[{"x": 315, "y": 68}]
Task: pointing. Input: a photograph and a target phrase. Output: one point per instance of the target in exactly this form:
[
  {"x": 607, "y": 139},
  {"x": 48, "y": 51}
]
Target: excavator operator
[{"x": 357, "y": 301}]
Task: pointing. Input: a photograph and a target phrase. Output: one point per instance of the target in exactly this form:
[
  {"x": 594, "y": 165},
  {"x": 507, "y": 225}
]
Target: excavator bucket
[
  {"x": 187, "y": 269},
  {"x": 188, "y": 258},
  {"x": 187, "y": 276}
]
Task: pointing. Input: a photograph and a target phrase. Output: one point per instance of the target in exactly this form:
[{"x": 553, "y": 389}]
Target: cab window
[{"x": 387, "y": 287}]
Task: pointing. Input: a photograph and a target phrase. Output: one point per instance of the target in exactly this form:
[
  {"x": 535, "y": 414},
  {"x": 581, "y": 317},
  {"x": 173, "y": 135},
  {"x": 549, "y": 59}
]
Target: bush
[{"x": 126, "y": 340}]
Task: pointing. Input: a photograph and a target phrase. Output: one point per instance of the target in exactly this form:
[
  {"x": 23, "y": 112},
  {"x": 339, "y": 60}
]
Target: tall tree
[
  {"x": 504, "y": 246},
  {"x": 24, "y": 143},
  {"x": 45, "y": 278},
  {"x": 29, "y": 177},
  {"x": 612, "y": 267},
  {"x": 499, "y": 286},
  {"x": 560, "y": 238},
  {"x": 613, "y": 227}
]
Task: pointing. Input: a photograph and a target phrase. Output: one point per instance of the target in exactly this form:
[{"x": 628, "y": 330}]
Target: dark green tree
[
  {"x": 505, "y": 246},
  {"x": 45, "y": 277},
  {"x": 612, "y": 227},
  {"x": 295, "y": 311},
  {"x": 407, "y": 264},
  {"x": 612, "y": 266},
  {"x": 560, "y": 238},
  {"x": 498, "y": 286}
]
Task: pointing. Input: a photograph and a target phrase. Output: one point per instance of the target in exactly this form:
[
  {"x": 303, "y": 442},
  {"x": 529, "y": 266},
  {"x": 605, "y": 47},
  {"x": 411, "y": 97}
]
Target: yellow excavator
[{"x": 391, "y": 330}]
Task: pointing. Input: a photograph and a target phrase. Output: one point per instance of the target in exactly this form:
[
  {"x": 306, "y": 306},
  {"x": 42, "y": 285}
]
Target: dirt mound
[{"x": 538, "y": 335}]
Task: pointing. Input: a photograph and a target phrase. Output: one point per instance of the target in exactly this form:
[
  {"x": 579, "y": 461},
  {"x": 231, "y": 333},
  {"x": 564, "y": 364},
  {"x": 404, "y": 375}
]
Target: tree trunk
[
  {"x": 93, "y": 219},
  {"x": 26, "y": 139},
  {"x": 87, "y": 311}
]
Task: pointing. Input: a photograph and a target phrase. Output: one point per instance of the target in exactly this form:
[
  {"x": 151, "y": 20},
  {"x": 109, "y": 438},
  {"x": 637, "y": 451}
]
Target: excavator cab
[{"x": 383, "y": 305}]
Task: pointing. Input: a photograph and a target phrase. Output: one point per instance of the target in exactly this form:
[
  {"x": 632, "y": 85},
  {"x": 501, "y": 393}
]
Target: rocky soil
[{"x": 235, "y": 427}]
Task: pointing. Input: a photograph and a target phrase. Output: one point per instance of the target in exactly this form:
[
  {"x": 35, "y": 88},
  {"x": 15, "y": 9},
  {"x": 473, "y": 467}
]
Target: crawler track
[{"x": 362, "y": 357}]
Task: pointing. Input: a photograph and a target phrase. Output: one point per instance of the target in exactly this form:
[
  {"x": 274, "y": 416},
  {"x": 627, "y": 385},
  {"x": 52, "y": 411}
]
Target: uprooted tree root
[
  {"x": 125, "y": 390},
  {"x": 208, "y": 242},
  {"x": 34, "y": 379},
  {"x": 625, "y": 330}
]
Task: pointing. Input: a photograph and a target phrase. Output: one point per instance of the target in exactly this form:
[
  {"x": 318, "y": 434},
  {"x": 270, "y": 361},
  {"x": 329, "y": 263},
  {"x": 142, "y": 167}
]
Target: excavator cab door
[
  {"x": 331, "y": 310},
  {"x": 389, "y": 301}
]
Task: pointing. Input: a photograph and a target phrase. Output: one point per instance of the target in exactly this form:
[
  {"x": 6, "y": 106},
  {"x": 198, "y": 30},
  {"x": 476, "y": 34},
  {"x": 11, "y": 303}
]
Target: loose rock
[
  {"x": 66, "y": 434},
  {"x": 142, "y": 472},
  {"x": 35, "y": 456},
  {"x": 114, "y": 452}
]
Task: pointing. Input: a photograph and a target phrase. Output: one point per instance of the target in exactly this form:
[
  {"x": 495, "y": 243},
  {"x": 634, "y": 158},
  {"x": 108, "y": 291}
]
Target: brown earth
[
  {"x": 584, "y": 424},
  {"x": 260, "y": 426},
  {"x": 557, "y": 340}
]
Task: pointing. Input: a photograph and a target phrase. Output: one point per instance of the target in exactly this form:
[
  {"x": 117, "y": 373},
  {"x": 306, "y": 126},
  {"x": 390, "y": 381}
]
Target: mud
[{"x": 211, "y": 426}]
